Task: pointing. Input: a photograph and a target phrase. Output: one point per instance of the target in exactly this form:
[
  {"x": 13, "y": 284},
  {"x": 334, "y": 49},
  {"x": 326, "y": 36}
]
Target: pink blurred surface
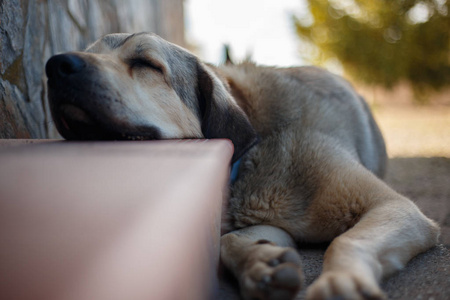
[{"x": 111, "y": 220}]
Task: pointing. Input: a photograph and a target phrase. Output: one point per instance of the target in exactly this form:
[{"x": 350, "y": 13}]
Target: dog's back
[{"x": 308, "y": 99}]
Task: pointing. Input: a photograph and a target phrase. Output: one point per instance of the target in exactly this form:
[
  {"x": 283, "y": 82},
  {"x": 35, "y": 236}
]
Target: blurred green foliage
[{"x": 381, "y": 42}]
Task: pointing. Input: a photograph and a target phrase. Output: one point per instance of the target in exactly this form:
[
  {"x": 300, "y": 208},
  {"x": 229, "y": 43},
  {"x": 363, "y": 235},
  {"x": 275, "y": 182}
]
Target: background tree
[{"x": 381, "y": 42}]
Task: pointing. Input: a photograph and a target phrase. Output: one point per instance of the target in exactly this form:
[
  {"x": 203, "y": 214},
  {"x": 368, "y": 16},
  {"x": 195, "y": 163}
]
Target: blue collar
[{"x": 235, "y": 171}]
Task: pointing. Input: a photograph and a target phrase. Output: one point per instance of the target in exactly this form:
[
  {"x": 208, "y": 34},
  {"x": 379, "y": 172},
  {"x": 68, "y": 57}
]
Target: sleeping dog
[{"x": 310, "y": 158}]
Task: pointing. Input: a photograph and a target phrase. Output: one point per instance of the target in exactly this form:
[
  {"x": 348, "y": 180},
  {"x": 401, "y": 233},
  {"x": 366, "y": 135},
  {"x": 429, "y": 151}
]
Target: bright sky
[{"x": 260, "y": 28}]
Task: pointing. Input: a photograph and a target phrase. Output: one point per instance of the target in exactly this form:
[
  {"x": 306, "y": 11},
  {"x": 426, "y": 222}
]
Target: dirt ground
[{"x": 418, "y": 143}]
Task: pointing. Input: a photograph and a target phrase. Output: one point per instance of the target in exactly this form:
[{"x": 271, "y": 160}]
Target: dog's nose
[{"x": 63, "y": 65}]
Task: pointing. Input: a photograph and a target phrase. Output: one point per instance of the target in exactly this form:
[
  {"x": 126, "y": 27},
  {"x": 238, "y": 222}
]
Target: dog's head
[{"x": 139, "y": 86}]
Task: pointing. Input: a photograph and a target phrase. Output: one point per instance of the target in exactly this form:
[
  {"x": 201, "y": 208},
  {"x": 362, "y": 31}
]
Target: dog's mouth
[{"x": 76, "y": 123}]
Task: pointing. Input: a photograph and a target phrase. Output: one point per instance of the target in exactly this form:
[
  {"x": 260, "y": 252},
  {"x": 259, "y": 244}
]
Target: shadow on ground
[{"x": 426, "y": 181}]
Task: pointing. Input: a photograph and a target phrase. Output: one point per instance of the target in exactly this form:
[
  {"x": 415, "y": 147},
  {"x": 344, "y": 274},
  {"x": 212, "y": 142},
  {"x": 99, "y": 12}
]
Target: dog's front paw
[
  {"x": 271, "y": 272},
  {"x": 345, "y": 286}
]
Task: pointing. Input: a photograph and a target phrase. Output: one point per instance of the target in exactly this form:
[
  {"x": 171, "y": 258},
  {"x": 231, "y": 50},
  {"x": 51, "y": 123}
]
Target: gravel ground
[{"x": 418, "y": 142}]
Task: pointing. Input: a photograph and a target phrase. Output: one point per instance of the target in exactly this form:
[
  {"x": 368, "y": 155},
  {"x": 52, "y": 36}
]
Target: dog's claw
[
  {"x": 263, "y": 284},
  {"x": 274, "y": 262}
]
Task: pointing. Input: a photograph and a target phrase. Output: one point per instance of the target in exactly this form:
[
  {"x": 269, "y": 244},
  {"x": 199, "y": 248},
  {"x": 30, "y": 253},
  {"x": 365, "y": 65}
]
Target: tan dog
[{"x": 311, "y": 157}]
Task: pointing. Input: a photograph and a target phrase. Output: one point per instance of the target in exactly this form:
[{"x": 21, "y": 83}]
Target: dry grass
[{"x": 415, "y": 131}]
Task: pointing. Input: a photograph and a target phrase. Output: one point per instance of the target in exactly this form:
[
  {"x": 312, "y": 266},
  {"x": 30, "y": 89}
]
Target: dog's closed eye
[{"x": 140, "y": 62}]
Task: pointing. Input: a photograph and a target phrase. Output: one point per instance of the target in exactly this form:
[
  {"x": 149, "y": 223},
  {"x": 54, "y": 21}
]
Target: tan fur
[{"x": 314, "y": 176}]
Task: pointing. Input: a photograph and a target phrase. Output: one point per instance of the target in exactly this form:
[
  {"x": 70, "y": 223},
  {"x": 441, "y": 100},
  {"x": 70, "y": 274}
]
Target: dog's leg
[
  {"x": 264, "y": 261},
  {"x": 383, "y": 241}
]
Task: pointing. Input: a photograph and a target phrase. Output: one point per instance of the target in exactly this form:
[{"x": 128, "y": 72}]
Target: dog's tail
[{"x": 227, "y": 56}]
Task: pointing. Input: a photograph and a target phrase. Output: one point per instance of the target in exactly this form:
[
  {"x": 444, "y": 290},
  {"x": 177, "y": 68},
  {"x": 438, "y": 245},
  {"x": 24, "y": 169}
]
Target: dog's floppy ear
[{"x": 221, "y": 116}]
